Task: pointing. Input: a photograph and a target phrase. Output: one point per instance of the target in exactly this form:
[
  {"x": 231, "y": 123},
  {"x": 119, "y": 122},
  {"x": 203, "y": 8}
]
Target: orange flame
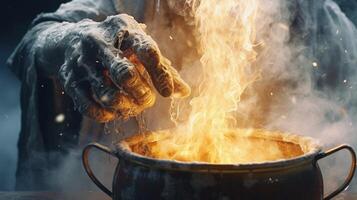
[{"x": 226, "y": 33}]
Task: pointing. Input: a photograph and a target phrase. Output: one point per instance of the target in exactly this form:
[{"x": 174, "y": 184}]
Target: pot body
[
  {"x": 140, "y": 177},
  {"x": 300, "y": 182}
]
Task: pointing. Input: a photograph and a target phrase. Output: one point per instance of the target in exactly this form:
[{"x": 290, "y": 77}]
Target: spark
[
  {"x": 60, "y": 118},
  {"x": 104, "y": 98},
  {"x": 314, "y": 64},
  {"x": 293, "y": 100}
]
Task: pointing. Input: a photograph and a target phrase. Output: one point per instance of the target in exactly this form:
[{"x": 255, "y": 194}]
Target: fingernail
[
  {"x": 182, "y": 90},
  {"x": 166, "y": 91}
]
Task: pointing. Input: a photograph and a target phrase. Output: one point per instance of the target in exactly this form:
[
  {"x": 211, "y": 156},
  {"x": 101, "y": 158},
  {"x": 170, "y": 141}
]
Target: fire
[
  {"x": 226, "y": 31},
  {"x": 240, "y": 145}
]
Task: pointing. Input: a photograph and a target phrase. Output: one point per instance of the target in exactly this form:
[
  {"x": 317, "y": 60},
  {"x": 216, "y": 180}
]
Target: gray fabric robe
[{"x": 43, "y": 141}]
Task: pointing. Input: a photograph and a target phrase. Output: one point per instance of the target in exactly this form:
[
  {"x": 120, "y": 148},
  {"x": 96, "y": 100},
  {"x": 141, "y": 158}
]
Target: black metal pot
[{"x": 140, "y": 177}]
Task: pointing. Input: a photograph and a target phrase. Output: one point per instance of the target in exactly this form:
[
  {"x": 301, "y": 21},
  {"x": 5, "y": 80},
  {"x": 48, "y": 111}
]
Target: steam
[
  {"x": 309, "y": 60},
  {"x": 314, "y": 66},
  {"x": 307, "y": 51}
]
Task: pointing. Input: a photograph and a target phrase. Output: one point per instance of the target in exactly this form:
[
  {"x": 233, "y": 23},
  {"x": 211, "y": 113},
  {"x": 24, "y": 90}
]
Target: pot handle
[
  {"x": 88, "y": 169},
  {"x": 352, "y": 168}
]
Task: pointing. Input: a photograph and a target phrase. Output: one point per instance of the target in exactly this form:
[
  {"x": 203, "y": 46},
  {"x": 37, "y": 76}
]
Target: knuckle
[
  {"x": 150, "y": 57},
  {"x": 164, "y": 84},
  {"x": 147, "y": 100},
  {"x": 165, "y": 90},
  {"x": 121, "y": 72},
  {"x": 143, "y": 95},
  {"x": 163, "y": 76}
]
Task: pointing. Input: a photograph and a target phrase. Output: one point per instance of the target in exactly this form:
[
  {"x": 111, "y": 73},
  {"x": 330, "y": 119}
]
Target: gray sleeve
[
  {"x": 74, "y": 11},
  {"x": 77, "y": 10},
  {"x": 23, "y": 62}
]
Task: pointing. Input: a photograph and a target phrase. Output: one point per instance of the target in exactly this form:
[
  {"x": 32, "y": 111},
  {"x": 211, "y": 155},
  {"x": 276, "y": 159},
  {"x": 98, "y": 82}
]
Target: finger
[
  {"x": 148, "y": 54},
  {"x": 112, "y": 97},
  {"x": 181, "y": 88},
  {"x": 104, "y": 91},
  {"x": 122, "y": 72},
  {"x": 78, "y": 90}
]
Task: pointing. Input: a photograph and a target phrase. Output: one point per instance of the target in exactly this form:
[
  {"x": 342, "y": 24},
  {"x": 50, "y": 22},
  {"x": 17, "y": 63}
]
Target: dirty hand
[{"x": 110, "y": 66}]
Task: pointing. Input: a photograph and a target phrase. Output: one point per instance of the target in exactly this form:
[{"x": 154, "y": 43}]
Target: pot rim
[{"x": 123, "y": 151}]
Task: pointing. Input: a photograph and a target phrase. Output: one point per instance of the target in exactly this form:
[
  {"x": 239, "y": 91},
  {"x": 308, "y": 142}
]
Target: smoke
[
  {"x": 307, "y": 53},
  {"x": 308, "y": 56},
  {"x": 70, "y": 180}
]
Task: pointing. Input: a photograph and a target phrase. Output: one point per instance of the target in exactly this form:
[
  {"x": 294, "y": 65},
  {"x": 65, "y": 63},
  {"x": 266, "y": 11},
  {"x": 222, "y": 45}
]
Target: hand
[{"x": 110, "y": 66}]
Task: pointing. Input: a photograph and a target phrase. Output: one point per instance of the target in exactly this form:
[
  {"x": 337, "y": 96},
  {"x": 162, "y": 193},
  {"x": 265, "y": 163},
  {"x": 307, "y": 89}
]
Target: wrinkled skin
[{"x": 109, "y": 67}]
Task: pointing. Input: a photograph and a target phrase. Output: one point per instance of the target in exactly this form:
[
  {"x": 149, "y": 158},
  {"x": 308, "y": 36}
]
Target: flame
[{"x": 226, "y": 31}]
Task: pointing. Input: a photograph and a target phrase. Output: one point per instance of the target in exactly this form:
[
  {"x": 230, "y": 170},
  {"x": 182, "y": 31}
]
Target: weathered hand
[{"x": 110, "y": 66}]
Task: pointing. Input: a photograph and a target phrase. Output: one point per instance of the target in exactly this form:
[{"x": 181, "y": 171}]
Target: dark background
[{"x": 15, "y": 17}]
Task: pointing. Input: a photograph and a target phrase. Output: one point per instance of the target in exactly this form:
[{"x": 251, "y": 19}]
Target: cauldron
[{"x": 298, "y": 178}]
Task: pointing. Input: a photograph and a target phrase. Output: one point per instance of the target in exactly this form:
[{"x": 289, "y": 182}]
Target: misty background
[{"x": 15, "y": 19}]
